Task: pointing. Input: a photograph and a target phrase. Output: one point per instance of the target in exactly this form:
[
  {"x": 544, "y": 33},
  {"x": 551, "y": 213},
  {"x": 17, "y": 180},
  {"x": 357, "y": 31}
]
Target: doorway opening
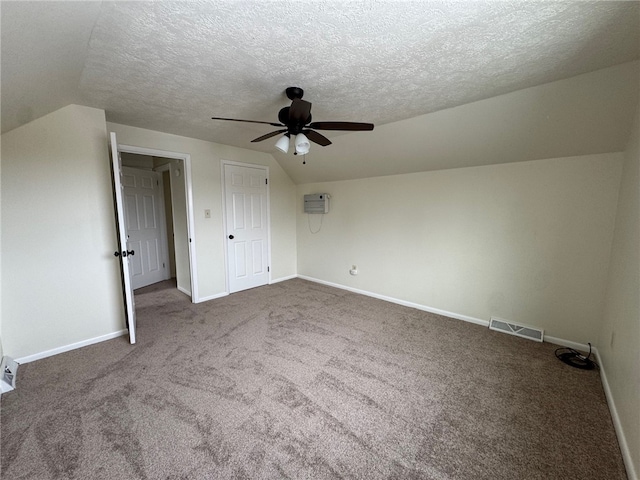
[{"x": 159, "y": 220}]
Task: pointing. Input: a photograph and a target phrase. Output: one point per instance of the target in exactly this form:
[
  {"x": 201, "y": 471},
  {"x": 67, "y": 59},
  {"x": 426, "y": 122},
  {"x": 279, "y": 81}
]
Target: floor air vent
[{"x": 523, "y": 331}]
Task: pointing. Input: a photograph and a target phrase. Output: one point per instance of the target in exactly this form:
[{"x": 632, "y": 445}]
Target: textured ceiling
[{"x": 170, "y": 66}]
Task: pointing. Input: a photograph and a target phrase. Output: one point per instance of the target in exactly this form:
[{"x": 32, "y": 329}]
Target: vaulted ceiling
[{"x": 171, "y": 66}]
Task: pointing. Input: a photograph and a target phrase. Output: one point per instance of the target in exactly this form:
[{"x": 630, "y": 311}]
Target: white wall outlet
[{"x": 354, "y": 270}]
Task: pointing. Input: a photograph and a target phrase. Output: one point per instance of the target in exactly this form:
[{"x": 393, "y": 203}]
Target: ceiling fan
[{"x": 296, "y": 121}]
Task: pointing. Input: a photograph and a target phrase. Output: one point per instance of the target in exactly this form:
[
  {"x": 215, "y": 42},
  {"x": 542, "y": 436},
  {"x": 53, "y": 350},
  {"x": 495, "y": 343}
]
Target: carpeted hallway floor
[{"x": 299, "y": 380}]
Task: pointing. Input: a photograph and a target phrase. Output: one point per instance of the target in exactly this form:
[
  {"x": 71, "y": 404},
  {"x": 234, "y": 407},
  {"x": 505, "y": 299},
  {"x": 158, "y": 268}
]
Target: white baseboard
[
  {"x": 445, "y": 313},
  {"x": 224, "y": 294},
  {"x": 72, "y": 346},
  {"x": 184, "y": 290},
  {"x": 211, "y": 297},
  {"x": 283, "y": 279},
  {"x": 405, "y": 303},
  {"x": 5, "y": 387},
  {"x": 568, "y": 343},
  {"x": 617, "y": 424}
]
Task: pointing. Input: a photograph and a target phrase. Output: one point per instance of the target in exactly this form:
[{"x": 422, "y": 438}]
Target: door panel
[
  {"x": 142, "y": 198},
  {"x": 121, "y": 253},
  {"x": 256, "y": 211},
  {"x": 247, "y": 226},
  {"x": 150, "y": 211},
  {"x": 258, "y": 261},
  {"x": 130, "y": 203},
  {"x": 153, "y": 255},
  {"x": 240, "y": 256},
  {"x": 135, "y": 262},
  {"x": 238, "y": 211}
]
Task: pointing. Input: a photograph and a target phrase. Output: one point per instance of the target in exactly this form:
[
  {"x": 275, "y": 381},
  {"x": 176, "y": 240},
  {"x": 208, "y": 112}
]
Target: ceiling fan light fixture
[
  {"x": 283, "y": 143},
  {"x": 302, "y": 144}
]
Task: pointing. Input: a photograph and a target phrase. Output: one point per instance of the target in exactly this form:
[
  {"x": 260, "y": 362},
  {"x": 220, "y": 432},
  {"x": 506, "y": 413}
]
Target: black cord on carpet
[{"x": 576, "y": 359}]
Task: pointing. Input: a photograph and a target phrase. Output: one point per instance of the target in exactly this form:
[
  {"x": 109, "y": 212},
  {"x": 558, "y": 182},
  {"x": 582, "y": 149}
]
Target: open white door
[{"x": 122, "y": 253}]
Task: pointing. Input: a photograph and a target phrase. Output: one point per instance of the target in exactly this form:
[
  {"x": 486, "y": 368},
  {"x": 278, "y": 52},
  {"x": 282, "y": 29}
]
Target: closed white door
[
  {"x": 143, "y": 210},
  {"x": 121, "y": 253},
  {"x": 247, "y": 226}
]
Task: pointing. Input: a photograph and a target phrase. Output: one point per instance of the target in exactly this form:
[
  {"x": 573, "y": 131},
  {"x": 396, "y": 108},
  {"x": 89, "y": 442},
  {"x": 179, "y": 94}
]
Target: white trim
[
  {"x": 617, "y": 424},
  {"x": 161, "y": 169},
  {"x": 8, "y": 364},
  {"x": 186, "y": 158},
  {"x": 163, "y": 227},
  {"x": 567, "y": 343},
  {"x": 269, "y": 269},
  {"x": 151, "y": 152},
  {"x": 186, "y": 292},
  {"x": 72, "y": 346},
  {"x": 417, "y": 306},
  {"x": 445, "y": 313},
  {"x": 243, "y": 164},
  {"x": 223, "y": 204},
  {"x": 191, "y": 222},
  {"x": 283, "y": 279},
  {"x": 5, "y": 387},
  {"x": 213, "y": 297},
  {"x": 224, "y": 163}
]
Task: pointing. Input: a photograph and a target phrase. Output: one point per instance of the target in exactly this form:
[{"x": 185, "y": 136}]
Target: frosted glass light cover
[
  {"x": 302, "y": 144},
  {"x": 283, "y": 144}
]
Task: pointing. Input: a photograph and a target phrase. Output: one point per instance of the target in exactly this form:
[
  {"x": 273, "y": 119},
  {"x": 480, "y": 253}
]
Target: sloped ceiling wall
[{"x": 586, "y": 114}]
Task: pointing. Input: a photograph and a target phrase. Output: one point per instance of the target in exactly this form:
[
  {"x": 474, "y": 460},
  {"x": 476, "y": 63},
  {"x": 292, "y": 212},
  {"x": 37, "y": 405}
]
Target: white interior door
[
  {"x": 121, "y": 252},
  {"x": 143, "y": 202},
  {"x": 247, "y": 226}
]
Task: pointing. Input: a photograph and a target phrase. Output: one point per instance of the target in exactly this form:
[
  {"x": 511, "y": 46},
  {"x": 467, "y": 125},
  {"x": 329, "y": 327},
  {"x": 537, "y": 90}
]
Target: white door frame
[
  {"x": 224, "y": 217},
  {"x": 163, "y": 218},
  {"x": 186, "y": 158}
]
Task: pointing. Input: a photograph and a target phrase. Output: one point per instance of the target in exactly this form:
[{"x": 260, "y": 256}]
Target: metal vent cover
[{"x": 524, "y": 331}]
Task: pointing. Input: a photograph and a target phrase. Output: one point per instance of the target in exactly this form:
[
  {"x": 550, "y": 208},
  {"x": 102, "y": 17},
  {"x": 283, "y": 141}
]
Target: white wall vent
[{"x": 504, "y": 326}]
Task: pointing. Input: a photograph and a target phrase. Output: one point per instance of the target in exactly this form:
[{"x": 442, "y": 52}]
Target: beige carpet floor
[{"x": 303, "y": 381}]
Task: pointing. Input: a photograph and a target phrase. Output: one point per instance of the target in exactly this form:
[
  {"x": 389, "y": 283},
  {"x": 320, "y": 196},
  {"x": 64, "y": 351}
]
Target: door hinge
[
  {"x": 163, "y": 265},
  {"x": 266, "y": 181},
  {"x": 268, "y": 269}
]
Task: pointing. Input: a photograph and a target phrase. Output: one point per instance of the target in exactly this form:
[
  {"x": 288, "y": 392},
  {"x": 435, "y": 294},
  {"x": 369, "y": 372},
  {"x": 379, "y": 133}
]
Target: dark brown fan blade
[
  {"x": 299, "y": 111},
  {"x": 351, "y": 126},
  {"x": 268, "y": 135},
  {"x": 248, "y": 121},
  {"x": 317, "y": 138}
]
